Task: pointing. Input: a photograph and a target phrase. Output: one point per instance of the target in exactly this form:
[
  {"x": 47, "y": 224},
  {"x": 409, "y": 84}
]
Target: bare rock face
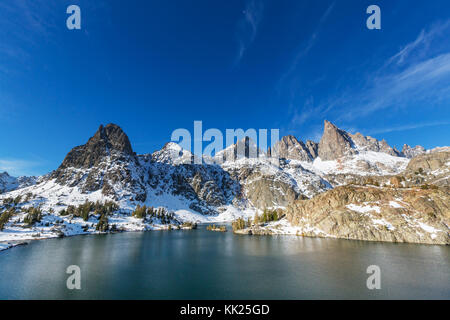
[
  {"x": 107, "y": 162},
  {"x": 245, "y": 148},
  {"x": 335, "y": 143},
  {"x": 429, "y": 161},
  {"x": 431, "y": 168},
  {"x": 409, "y": 152},
  {"x": 107, "y": 140},
  {"x": 313, "y": 148},
  {"x": 371, "y": 144},
  {"x": 376, "y": 214},
  {"x": 206, "y": 186},
  {"x": 267, "y": 192},
  {"x": 291, "y": 148}
]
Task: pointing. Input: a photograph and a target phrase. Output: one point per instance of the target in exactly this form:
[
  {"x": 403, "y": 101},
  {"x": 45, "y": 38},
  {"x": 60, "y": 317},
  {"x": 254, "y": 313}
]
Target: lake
[{"x": 200, "y": 264}]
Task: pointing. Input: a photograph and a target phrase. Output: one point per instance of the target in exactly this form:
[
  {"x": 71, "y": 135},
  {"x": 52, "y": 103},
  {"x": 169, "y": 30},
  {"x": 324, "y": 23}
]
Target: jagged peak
[
  {"x": 113, "y": 135},
  {"x": 410, "y": 152},
  {"x": 289, "y": 147},
  {"x": 107, "y": 140},
  {"x": 246, "y": 145},
  {"x": 335, "y": 142},
  {"x": 173, "y": 153}
]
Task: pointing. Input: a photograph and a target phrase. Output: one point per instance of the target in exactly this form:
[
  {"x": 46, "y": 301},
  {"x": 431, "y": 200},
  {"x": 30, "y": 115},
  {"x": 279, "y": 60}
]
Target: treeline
[
  {"x": 267, "y": 216},
  {"x": 9, "y": 202},
  {"x": 188, "y": 225},
  {"x": 86, "y": 209},
  {"x": 5, "y": 216},
  {"x": 150, "y": 213},
  {"x": 216, "y": 228},
  {"x": 34, "y": 214}
]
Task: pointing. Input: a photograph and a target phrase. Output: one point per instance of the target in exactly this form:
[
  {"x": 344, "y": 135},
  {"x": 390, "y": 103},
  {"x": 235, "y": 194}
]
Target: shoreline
[
  {"x": 266, "y": 230},
  {"x": 282, "y": 227}
]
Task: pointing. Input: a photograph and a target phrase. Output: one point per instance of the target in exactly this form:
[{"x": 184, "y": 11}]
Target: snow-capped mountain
[
  {"x": 8, "y": 183},
  {"x": 226, "y": 187},
  {"x": 106, "y": 167}
]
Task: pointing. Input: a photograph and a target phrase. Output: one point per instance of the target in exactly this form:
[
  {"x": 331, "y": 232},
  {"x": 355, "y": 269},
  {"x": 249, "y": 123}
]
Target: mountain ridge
[{"x": 107, "y": 169}]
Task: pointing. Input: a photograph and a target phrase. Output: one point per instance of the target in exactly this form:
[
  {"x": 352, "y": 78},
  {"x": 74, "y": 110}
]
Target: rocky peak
[
  {"x": 108, "y": 140},
  {"x": 409, "y": 152},
  {"x": 313, "y": 148},
  {"x": 244, "y": 148},
  {"x": 335, "y": 143},
  {"x": 430, "y": 161},
  {"x": 9, "y": 183},
  {"x": 291, "y": 148},
  {"x": 173, "y": 153},
  {"x": 368, "y": 143}
]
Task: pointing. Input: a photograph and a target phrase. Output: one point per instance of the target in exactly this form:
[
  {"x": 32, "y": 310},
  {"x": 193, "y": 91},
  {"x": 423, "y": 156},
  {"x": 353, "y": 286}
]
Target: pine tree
[{"x": 256, "y": 219}]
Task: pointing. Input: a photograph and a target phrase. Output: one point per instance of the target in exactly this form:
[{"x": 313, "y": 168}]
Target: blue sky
[{"x": 154, "y": 66}]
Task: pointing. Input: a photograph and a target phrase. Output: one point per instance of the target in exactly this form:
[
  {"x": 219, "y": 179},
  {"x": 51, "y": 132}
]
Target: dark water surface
[{"x": 199, "y": 264}]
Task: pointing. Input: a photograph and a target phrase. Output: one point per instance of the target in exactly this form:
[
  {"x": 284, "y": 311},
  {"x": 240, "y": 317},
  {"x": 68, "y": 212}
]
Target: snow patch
[
  {"x": 363, "y": 209},
  {"x": 395, "y": 204}
]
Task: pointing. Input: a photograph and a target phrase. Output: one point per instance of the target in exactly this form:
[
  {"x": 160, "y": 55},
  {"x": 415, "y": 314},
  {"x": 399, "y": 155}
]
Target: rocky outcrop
[
  {"x": 243, "y": 149},
  {"x": 367, "y": 143},
  {"x": 409, "y": 152},
  {"x": 291, "y": 148},
  {"x": 106, "y": 162},
  {"x": 335, "y": 143},
  {"x": 9, "y": 183},
  {"x": 207, "y": 187},
  {"x": 431, "y": 168},
  {"x": 375, "y": 214},
  {"x": 173, "y": 154},
  {"x": 428, "y": 162},
  {"x": 265, "y": 185},
  {"x": 313, "y": 148},
  {"x": 106, "y": 141}
]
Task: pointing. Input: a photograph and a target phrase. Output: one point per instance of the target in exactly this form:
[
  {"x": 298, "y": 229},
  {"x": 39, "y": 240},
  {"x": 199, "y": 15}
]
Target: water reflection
[{"x": 198, "y": 264}]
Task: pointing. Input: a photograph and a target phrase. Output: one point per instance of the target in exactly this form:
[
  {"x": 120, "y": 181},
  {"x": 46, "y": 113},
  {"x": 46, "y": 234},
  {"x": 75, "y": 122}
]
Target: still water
[{"x": 200, "y": 264}]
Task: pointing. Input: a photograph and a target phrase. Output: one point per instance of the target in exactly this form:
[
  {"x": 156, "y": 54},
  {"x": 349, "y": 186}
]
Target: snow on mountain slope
[
  {"x": 8, "y": 183},
  {"x": 107, "y": 169},
  {"x": 173, "y": 154},
  {"x": 363, "y": 163}
]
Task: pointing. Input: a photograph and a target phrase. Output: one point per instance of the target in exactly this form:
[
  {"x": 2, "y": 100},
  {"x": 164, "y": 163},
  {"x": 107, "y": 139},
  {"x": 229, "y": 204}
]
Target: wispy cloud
[
  {"x": 18, "y": 167},
  {"x": 247, "y": 26},
  {"x": 426, "y": 83},
  {"x": 422, "y": 43},
  {"x": 408, "y": 127},
  {"x": 301, "y": 113},
  {"x": 24, "y": 25},
  {"x": 306, "y": 46},
  {"x": 414, "y": 77}
]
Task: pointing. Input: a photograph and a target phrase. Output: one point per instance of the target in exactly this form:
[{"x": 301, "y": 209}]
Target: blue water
[{"x": 200, "y": 264}]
